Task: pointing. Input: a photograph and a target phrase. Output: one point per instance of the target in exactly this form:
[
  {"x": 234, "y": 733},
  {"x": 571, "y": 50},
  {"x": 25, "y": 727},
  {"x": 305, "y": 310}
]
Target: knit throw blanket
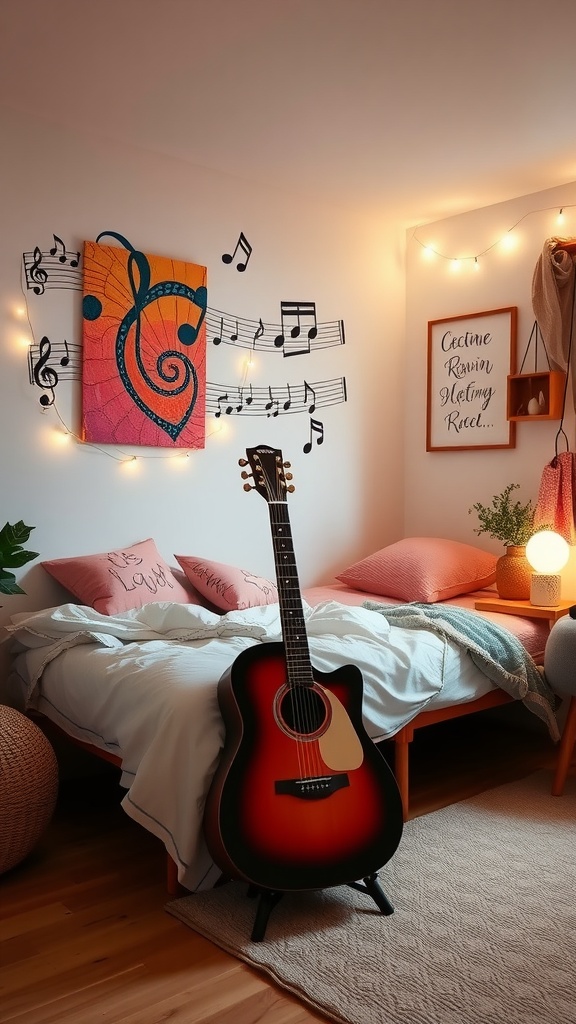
[{"x": 493, "y": 649}]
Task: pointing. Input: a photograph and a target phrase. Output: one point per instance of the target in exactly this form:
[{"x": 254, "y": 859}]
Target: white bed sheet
[{"x": 144, "y": 686}]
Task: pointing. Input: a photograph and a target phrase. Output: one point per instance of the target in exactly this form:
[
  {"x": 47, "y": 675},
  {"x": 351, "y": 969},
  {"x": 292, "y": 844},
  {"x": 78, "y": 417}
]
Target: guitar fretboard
[{"x": 290, "y": 600}]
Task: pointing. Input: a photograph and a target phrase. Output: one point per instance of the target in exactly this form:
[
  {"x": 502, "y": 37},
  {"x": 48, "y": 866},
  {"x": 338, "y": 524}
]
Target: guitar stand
[{"x": 268, "y": 898}]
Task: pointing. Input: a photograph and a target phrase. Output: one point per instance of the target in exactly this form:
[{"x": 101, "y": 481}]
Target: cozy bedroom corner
[{"x": 288, "y": 523}]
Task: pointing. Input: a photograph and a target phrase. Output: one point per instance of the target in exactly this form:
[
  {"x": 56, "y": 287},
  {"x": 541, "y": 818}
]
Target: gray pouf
[
  {"x": 560, "y": 670},
  {"x": 560, "y": 656}
]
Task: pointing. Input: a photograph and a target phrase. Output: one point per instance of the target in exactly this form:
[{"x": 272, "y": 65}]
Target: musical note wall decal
[
  {"x": 57, "y": 267},
  {"x": 289, "y": 338},
  {"x": 42, "y": 374},
  {"x": 63, "y": 256},
  {"x": 258, "y": 333},
  {"x": 229, "y": 329},
  {"x": 273, "y": 401},
  {"x": 37, "y": 276},
  {"x": 316, "y": 427},
  {"x": 65, "y": 354},
  {"x": 244, "y": 246}
]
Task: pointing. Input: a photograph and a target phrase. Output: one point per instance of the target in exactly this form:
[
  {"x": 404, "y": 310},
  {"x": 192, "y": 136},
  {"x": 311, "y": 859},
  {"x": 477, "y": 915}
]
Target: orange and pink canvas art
[{"x": 144, "y": 347}]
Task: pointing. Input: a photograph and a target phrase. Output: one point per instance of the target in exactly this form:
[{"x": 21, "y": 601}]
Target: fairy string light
[{"x": 505, "y": 239}]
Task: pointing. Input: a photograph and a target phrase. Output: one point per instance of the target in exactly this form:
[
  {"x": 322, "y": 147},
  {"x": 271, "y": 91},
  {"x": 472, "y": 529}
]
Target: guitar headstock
[{"x": 268, "y": 472}]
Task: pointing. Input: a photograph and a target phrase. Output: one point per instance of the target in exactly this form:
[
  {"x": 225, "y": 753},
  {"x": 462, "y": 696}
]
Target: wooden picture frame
[{"x": 470, "y": 358}]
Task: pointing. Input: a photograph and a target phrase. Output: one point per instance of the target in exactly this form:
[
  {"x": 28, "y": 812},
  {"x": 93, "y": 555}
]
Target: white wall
[
  {"x": 348, "y": 497},
  {"x": 442, "y": 486}
]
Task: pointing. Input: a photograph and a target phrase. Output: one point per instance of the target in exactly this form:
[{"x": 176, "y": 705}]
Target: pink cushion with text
[
  {"x": 225, "y": 586},
  {"x": 116, "y": 581}
]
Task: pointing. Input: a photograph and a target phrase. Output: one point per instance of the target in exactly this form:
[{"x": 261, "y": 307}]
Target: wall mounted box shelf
[{"x": 522, "y": 387}]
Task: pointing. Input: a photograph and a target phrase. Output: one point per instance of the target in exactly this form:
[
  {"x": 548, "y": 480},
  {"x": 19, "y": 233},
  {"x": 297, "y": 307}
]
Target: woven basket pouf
[{"x": 28, "y": 786}]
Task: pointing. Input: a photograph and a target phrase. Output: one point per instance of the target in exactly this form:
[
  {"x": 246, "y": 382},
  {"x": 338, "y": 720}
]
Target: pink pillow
[
  {"x": 225, "y": 586},
  {"x": 424, "y": 569},
  {"x": 115, "y": 581}
]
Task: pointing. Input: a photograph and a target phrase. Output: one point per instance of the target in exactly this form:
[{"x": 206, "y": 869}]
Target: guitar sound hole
[{"x": 302, "y": 710}]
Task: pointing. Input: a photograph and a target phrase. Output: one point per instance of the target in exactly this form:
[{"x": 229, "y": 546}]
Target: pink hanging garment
[
  {"x": 554, "y": 304},
  {"x": 556, "y": 504}
]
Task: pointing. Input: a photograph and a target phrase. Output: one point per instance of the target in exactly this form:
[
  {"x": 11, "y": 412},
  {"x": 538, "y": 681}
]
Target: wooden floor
[{"x": 84, "y": 937}]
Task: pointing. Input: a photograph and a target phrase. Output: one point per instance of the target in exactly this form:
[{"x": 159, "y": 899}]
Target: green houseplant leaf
[
  {"x": 505, "y": 520},
  {"x": 13, "y": 555}
]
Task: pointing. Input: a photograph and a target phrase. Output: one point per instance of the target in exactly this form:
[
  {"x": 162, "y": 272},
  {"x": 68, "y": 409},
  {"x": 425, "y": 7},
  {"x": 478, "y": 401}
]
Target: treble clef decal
[
  {"x": 45, "y": 376},
  {"x": 160, "y": 378}
]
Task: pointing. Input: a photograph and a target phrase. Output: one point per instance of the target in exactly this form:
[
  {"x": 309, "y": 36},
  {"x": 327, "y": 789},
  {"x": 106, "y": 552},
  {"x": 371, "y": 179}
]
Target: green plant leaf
[
  {"x": 510, "y": 523},
  {"x": 8, "y": 584},
  {"x": 13, "y": 555}
]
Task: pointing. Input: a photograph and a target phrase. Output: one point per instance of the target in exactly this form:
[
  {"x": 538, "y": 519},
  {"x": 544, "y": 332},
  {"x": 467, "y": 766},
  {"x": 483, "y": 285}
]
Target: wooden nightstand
[{"x": 530, "y": 611}]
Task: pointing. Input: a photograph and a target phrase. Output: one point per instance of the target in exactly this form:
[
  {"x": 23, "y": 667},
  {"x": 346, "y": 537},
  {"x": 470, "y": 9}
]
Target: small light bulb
[
  {"x": 560, "y": 217},
  {"x": 456, "y": 265},
  {"x": 508, "y": 242},
  {"x": 61, "y": 436}
]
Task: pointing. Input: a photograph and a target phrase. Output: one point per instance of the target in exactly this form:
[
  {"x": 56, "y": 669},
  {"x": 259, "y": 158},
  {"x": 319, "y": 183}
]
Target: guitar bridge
[{"x": 314, "y": 788}]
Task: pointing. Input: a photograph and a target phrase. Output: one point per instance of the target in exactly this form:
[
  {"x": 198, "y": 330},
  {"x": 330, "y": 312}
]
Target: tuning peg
[
  {"x": 288, "y": 476},
  {"x": 242, "y": 462},
  {"x": 248, "y": 487},
  {"x": 287, "y": 465},
  {"x": 245, "y": 476},
  {"x": 290, "y": 488}
]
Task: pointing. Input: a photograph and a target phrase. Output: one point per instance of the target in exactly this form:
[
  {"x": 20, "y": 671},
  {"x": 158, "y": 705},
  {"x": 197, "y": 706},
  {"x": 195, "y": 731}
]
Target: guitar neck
[{"x": 291, "y": 610}]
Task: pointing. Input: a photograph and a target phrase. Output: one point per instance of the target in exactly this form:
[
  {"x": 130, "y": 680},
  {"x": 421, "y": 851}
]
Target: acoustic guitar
[{"x": 302, "y": 798}]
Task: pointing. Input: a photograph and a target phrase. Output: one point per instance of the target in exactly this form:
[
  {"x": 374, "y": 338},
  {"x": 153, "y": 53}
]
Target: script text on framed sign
[{"x": 469, "y": 360}]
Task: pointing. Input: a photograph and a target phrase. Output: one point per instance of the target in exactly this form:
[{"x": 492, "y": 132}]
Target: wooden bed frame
[{"x": 401, "y": 741}]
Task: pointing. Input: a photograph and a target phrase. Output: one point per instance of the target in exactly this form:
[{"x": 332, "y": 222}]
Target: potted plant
[
  {"x": 512, "y": 523},
  {"x": 13, "y": 554}
]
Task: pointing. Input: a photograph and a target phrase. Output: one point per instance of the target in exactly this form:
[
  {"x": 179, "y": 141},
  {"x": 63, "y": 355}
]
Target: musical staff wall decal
[
  {"x": 229, "y": 329},
  {"x": 57, "y": 267},
  {"x": 272, "y": 401},
  {"x": 64, "y": 361},
  {"x": 164, "y": 377}
]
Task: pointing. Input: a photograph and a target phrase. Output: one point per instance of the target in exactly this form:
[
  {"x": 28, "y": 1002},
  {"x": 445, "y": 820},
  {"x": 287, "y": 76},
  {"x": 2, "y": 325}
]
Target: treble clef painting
[{"x": 144, "y": 347}]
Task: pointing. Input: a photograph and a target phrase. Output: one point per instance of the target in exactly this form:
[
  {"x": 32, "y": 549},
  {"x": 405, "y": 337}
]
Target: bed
[{"x": 137, "y": 684}]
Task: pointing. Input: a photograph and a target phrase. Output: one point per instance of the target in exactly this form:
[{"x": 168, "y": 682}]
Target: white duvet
[{"x": 143, "y": 685}]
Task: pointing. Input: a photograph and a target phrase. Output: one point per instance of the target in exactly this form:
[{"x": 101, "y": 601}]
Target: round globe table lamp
[{"x": 547, "y": 553}]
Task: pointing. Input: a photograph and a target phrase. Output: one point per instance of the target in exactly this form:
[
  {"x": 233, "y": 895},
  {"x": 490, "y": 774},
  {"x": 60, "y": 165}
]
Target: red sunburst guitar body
[{"x": 302, "y": 798}]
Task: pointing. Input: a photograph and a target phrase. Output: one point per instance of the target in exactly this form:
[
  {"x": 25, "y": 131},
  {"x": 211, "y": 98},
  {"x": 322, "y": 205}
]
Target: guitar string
[
  {"x": 277, "y": 503},
  {"x": 275, "y": 507},
  {"x": 302, "y": 695},
  {"x": 298, "y": 694}
]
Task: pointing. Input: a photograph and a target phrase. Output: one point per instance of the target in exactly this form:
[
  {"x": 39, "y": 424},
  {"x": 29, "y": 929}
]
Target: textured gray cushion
[{"x": 560, "y": 656}]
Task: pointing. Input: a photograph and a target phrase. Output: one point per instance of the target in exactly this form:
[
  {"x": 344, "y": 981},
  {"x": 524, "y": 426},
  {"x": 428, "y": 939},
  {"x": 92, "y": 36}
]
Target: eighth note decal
[{"x": 242, "y": 245}]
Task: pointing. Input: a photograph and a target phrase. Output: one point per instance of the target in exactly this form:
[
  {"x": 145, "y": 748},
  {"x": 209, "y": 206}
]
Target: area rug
[{"x": 483, "y": 932}]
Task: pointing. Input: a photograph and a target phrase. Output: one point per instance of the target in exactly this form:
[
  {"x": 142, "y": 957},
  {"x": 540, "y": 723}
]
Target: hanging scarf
[{"x": 553, "y": 290}]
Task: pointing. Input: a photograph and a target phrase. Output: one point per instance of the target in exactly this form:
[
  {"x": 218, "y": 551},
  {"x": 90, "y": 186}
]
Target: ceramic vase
[{"x": 513, "y": 574}]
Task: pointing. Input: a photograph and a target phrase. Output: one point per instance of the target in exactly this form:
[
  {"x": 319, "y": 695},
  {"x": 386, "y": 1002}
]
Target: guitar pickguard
[{"x": 340, "y": 747}]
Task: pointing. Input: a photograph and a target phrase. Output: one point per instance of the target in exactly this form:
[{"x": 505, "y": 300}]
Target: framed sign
[{"x": 469, "y": 360}]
